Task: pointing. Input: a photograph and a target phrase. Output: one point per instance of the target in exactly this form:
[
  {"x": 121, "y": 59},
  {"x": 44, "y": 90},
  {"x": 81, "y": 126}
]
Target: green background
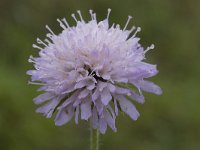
[{"x": 167, "y": 122}]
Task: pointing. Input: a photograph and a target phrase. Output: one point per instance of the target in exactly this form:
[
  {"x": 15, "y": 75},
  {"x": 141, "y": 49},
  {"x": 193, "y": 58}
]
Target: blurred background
[{"x": 167, "y": 122}]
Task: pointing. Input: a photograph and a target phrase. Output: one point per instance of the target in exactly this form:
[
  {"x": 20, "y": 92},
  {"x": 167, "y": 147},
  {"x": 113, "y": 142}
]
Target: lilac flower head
[{"x": 88, "y": 72}]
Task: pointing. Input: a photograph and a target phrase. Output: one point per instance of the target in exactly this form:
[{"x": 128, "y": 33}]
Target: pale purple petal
[
  {"x": 103, "y": 24},
  {"x": 99, "y": 106},
  {"x": 76, "y": 114},
  {"x": 77, "y": 102},
  {"x": 70, "y": 100},
  {"x": 94, "y": 118},
  {"x": 81, "y": 84},
  {"x": 63, "y": 116},
  {"x": 96, "y": 94},
  {"x": 111, "y": 87},
  {"x": 91, "y": 86},
  {"x": 116, "y": 107},
  {"x": 110, "y": 120},
  {"x": 86, "y": 110},
  {"x": 150, "y": 87},
  {"x": 141, "y": 70},
  {"x": 84, "y": 93},
  {"x": 102, "y": 125},
  {"x": 128, "y": 107},
  {"x": 48, "y": 108},
  {"x": 123, "y": 91},
  {"x": 101, "y": 86},
  {"x": 43, "y": 97},
  {"x": 106, "y": 97},
  {"x": 137, "y": 97}
]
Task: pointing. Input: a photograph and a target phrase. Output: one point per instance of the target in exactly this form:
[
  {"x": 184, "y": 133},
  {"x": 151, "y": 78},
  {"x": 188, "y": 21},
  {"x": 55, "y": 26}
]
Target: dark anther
[{"x": 95, "y": 76}]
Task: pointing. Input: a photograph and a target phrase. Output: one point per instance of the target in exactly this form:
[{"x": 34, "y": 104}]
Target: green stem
[{"x": 94, "y": 139}]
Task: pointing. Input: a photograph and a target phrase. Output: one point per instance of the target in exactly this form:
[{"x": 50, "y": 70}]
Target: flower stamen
[
  {"x": 74, "y": 17},
  {"x": 108, "y": 14},
  {"x": 35, "y": 46},
  {"x": 79, "y": 12},
  {"x": 127, "y": 22},
  {"x": 49, "y": 30},
  {"x": 61, "y": 24},
  {"x": 66, "y": 23},
  {"x": 91, "y": 14},
  {"x": 40, "y": 42}
]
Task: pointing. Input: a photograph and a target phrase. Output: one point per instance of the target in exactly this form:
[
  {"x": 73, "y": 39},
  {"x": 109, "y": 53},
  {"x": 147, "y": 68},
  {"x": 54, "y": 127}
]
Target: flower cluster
[{"x": 89, "y": 71}]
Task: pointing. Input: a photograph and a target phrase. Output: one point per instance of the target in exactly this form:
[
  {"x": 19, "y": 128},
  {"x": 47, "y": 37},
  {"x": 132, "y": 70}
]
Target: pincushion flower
[{"x": 89, "y": 71}]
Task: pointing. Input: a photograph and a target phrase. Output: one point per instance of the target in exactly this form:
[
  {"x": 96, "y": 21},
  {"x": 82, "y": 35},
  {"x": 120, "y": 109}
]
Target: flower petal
[
  {"x": 116, "y": 107},
  {"x": 76, "y": 114},
  {"x": 64, "y": 115},
  {"x": 84, "y": 93},
  {"x": 106, "y": 97},
  {"x": 136, "y": 97},
  {"x": 43, "y": 97},
  {"x": 95, "y": 95},
  {"x": 110, "y": 120},
  {"x": 150, "y": 87},
  {"x": 86, "y": 110},
  {"x": 141, "y": 70},
  {"x": 48, "y": 108},
  {"x": 128, "y": 107},
  {"x": 123, "y": 91},
  {"x": 102, "y": 125},
  {"x": 99, "y": 106}
]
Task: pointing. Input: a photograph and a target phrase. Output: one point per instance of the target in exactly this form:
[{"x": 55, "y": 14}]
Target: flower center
[{"x": 93, "y": 73}]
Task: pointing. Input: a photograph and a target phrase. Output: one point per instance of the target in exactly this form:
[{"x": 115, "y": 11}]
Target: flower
[{"x": 89, "y": 71}]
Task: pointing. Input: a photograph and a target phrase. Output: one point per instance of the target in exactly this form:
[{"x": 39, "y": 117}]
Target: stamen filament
[
  {"x": 108, "y": 14},
  {"x": 35, "y": 46},
  {"x": 49, "y": 30},
  {"x": 35, "y": 83},
  {"x": 61, "y": 24},
  {"x": 79, "y": 12},
  {"x": 127, "y": 22},
  {"x": 74, "y": 17},
  {"x": 40, "y": 42},
  {"x": 66, "y": 23},
  {"x": 91, "y": 14}
]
